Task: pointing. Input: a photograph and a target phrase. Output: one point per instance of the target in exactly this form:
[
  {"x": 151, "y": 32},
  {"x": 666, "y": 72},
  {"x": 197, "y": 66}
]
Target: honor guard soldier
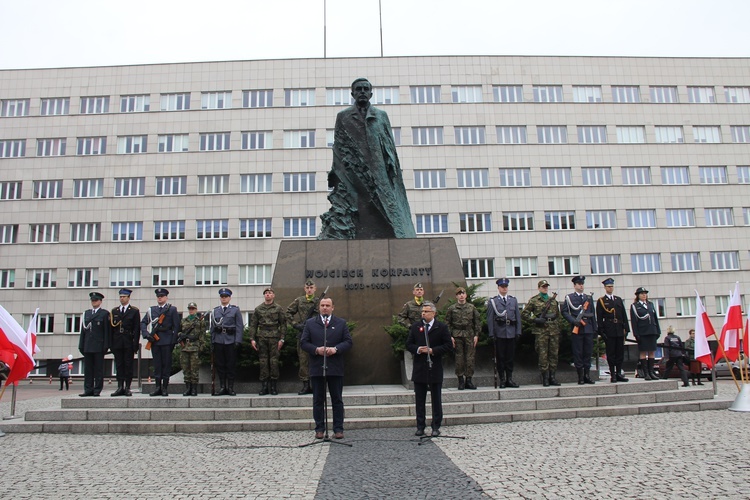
[
  {"x": 464, "y": 323},
  {"x": 544, "y": 312},
  {"x": 126, "y": 336},
  {"x": 578, "y": 308},
  {"x": 267, "y": 325},
  {"x": 412, "y": 310},
  {"x": 159, "y": 326},
  {"x": 646, "y": 329},
  {"x": 504, "y": 325},
  {"x": 298, "y": 312},
  {"x": 95, "y": 340},
  {"x": 192, "y": 328},
  {"x": 226, "y": 337},
  {"x": 613, "y": 326}
]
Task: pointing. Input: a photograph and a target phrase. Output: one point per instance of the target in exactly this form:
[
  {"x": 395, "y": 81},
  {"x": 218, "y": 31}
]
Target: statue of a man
[{"x": 368, "y": 200}]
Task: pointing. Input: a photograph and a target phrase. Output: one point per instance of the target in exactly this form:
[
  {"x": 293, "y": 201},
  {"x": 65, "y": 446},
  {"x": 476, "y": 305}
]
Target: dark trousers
[
  {"x": 162, "y": 361},
  {"x": 93, "y": 372},
  {"x": 420, "y": 394},
  {"x": 505, "y": 353},
  {"x": 123, "y": 364},
  {"x": 680, "y": 366},
  {"x": 66, "y": 381},
  {"x": 582, "y": 346},
  {"x": 615, "y": 351},
  {"x": 225, "y": 360},
  {"x": 335, "y": 389}
]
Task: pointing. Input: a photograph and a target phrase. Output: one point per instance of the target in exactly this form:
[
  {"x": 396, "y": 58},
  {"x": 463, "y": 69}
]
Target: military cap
[
  {"x": 96, "y": 296},
  {"x": 192, "y": 305},
  {"x": 309, "y": 283},
  {"x": 225, "y": 291},
  {"x": 608, "y": 281},
  {"x": 268, "y": 289},
  {"x": 161, "y": 291},
  {"x": 641, "y": 290},
  {"x": 418, "y": 285},
  {"x": 125, "y": 291},
  {"x": 503, "y": 282},
  {"x": 578, "y": 279},
  {"x": 460, "y": 290},
  {"x": 542, "y": 283}
]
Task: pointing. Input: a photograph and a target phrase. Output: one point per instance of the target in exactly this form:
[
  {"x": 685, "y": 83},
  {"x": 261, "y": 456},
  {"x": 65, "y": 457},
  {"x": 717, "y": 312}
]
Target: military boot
[
  {"x": 127, "y": 390},
  {"x": 188, "y": 389},
  {"x": 620, "y": 377},
  {"x": 500, "y": 381},
  {"x": 642, "y": 371},
  {"x": 165, "y": 387},
  {"x": 157, "y": 391},
  {"x": 264, "y": 388},
  {"x": 545, "y": 378},
  {"x": 461, "y": 384},
  {"x": 305, "y": 388},
  {"x": 119, "y": 391},
  {"x": 552, "y": 379},
  {"x": 272, "y": 388},
  {"x": 194, "y": 389},
  {"x": 230, "y": 388},
  {"x": 580, "y": 375},
  {"x": 651, "y": 369},
  {"x": 469, "y": 384},
  {"x": 587, "y": 376},
  {"x": 613, "y": 374},
  {"x": 509, "y": 380}
]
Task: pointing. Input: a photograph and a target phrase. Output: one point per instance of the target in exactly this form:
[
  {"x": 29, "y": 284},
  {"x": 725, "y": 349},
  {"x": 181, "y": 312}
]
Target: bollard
[{"x": 50, "y": 379}]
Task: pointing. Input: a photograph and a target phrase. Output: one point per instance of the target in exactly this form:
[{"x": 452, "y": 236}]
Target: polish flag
[
  {"x": 703, "y": 329},
  {"x": 730, "y": 332},
  {"x": 13, "y": 348},
  {"x": 31, "y": 332}
]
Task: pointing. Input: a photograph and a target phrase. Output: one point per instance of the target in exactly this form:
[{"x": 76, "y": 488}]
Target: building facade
[{"x": 187, "y": 176}]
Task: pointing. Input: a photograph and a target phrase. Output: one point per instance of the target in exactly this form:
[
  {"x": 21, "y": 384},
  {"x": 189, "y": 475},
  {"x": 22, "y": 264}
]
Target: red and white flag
[
  {"x": 13, "y": 348},
  {"x": 703, "y": 329},
  {"x": 31, "y": 332},
  {"x": 730, "y": 332}
]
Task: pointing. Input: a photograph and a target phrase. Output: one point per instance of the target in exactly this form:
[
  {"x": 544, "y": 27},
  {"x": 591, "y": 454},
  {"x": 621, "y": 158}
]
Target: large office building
[{"x": 188, "y": 176}]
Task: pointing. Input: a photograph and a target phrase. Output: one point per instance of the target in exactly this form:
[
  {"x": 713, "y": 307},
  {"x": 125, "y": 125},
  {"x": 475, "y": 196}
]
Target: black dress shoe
[
  {"x": 435, "y": 432},
  {"x": 420, "y": 432},
  {"x": 86, "y": 394}
]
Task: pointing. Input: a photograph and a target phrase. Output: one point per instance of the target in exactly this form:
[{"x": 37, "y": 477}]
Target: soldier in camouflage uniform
[
  {"x": 190, "y": 339},
  {"x": 267, "y": 324},
  {"x": 464, "y": 323},
  {"x": 412, "y": 310},
  {"x": 298, "y": 312},
  {"x": 546, "y": 331}
]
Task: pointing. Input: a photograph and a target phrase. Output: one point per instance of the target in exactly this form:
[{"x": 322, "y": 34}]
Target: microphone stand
[{"x": 326, "y": 437}]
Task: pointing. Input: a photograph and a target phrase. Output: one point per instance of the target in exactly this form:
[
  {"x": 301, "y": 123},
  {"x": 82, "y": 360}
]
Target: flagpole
[
  {"x": 729, "y": 365},
  {"x": 3, "y": 391}
]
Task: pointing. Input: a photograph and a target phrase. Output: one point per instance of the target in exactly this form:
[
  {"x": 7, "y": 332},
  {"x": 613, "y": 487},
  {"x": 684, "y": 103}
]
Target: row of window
[
  {"x": 423, "y": 94},
  {"x": 423, "y": 179},
  {"x": 421, "y": 136}
]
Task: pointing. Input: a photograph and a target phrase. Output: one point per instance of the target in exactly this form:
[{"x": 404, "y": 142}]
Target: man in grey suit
[{"x": 504, "y": 325}]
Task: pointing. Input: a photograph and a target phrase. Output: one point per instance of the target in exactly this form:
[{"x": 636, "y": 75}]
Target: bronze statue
[{"x": 368, "y": 200}]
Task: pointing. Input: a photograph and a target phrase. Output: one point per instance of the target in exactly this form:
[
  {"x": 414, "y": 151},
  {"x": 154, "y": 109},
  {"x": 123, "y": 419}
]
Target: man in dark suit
[
  {"x": 612, "y": 321},
  {"x": 504, "y": 325},
  {"x": 428, "y": 340},
  {"x": 325, "y": 338},
  {"x": 95, "y": 339},
  {"x": 578, "y": 310},
  {"x": 126, "y": 335},
  {"x": 162, "y": 321}
]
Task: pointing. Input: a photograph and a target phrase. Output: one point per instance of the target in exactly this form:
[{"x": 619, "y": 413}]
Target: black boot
[
  {"x": 264, "y": 388},
  {"x": 545, "y": 378},
  {"x": 157, "y": 392},
  {"x": 165, "y": 387},
  {"x": 651, "y": 369},
  {"x": 587, "y": 376},
  {"x": 230, "y": 388},
  {"x": 127, "y": 390},
  {"x": 684, "y": 379},
  {"x": 509, "y": 380},
  {"x": 194, "y": 389},
  {"x": 272, "y": 388},
  {"x": 643, "y": 370},
  {"x": 469, "y": 384},
  {"x": 188, "y": 389},
  {"x": 620, "y": 376},
  {"x": 461, "y": 384},
  {"x": 306, "y": 389},
  {"x": 612, "y": 373},
  {"x": 501, "y": 384},
  {"x": 580, "y": 375},
  {"x": 552, "y": 379},
  {"x": 118, "y": 392}
]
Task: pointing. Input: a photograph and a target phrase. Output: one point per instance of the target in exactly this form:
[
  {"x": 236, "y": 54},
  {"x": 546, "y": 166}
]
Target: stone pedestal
[{"x": 369, "y": 282}]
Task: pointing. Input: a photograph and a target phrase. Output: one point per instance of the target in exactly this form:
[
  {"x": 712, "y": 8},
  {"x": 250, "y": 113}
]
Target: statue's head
[{"x": 361, "y": 91}]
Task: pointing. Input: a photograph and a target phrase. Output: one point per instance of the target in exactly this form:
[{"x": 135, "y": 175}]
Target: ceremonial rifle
[{"x": 579, "y": 318}]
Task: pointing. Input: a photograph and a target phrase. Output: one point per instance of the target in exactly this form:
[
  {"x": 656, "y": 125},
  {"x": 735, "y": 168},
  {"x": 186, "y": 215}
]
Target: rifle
[
  {"x": 155, "y": 335},
  {"x": 547, "y": 305},
  {"x": 494, "y": 358},
  {"x": 437, "y": 299},
  {"x": 579, "y": 318}
]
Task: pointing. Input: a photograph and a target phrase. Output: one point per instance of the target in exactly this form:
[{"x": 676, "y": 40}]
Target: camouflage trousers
[
  {"x": 304, "y": 358},
  {"x": 190, "y": 364},
  {"x": 268, "y": 354},
  {"x": 547, "y": 345},
  {"x": 465, "y": 352}
]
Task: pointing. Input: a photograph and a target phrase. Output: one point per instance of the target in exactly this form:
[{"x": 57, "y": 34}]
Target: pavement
[{"x": 666, "y": 455}]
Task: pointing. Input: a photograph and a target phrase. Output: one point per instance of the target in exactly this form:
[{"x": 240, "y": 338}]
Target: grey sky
[{"x": 56, "y": 33}]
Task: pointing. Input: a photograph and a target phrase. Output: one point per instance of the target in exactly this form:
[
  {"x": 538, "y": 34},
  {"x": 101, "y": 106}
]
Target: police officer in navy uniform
[
  {"x": 163, "y": 321},
  {"x": 504, "y": 325},
  {"x": 126, "y": 336},
  {"x": 613, "y": 326},
  {"x": 95, "y": 340},
  {"x": 578, "y": 308},
  {"x": 226, "y": 327}
]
